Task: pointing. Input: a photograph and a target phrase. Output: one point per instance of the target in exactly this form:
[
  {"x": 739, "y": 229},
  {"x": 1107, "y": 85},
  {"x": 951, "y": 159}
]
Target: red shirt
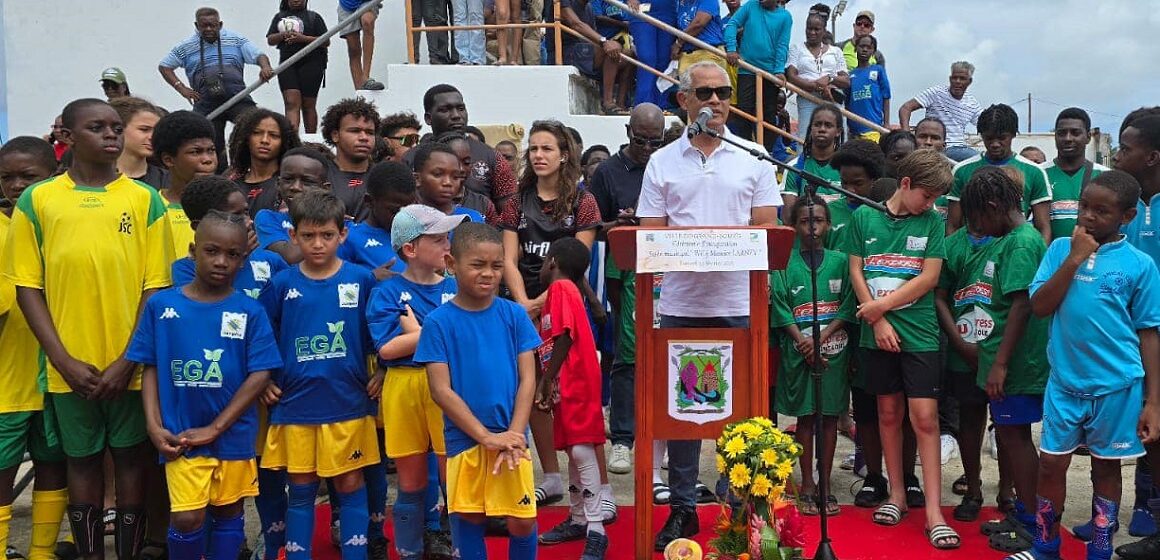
[{"x": 564, "y": 312}]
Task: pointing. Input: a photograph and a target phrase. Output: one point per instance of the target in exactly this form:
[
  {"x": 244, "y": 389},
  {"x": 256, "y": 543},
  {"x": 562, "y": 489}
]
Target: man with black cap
[
  {"x": 114, "y": 83},
  {"x": 863, "y": 26}
]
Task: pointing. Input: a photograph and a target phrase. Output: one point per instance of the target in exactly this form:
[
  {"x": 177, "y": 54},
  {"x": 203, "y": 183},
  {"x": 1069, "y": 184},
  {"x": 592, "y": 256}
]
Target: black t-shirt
[
  {"x": 482, "y": 178},
  {"x": 262, "y": 195},
  {"x": 350, "y": 188},
  {"x": 312, "y": 25},
  {"x": 155, "y": 177},
  {"x": 616, "y": 185},
  {"x": 530, "y": 218}
]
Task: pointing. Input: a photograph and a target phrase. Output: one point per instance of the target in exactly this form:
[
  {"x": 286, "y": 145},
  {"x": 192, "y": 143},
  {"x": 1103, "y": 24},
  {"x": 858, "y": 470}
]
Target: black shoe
[
  {"x": 682, "y": 522},
  {"x": 874, "y": 492},
  {"x": 377, "y": 548},
  {"x": 915, "y": 498},
  {"x": 595, "y": 545},
  {"x": 66, "y": 551},
  {"x": 1143, "y": 549},
  {"x": 437, "y": 545},
  {"x": 12, "y": 554}
]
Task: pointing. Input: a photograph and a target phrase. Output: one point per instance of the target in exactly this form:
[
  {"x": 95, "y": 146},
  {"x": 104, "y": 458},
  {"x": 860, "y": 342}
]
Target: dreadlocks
[
  {"x": 990, "y": 190},
  {"x": 998, "y": 119}
]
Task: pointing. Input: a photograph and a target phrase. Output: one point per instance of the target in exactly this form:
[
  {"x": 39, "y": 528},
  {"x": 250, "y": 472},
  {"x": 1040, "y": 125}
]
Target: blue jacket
[{"x": 765, "y": 41}]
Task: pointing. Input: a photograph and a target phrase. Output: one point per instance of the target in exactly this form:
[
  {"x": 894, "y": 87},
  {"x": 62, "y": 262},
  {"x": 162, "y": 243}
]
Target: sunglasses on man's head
[
  {"x": 408, "y": 140},
  {"x": 723, "y": 92}
]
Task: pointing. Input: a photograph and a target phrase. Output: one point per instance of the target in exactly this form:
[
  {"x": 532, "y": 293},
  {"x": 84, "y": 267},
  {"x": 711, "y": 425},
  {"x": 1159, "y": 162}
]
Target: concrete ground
[{"x": 845, "y": 484}]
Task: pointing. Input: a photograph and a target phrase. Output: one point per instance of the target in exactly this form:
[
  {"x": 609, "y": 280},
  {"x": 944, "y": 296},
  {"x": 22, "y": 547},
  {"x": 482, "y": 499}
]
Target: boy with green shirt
[
  {"x": 998, "y": 126},
  {"x": 859, "y": 163},
  {"x": 895, "y": 262},
  {"x": 792, "y": 318},
  {"x": 1070, "y": 170},
  {"x": 987, "y": 274}
]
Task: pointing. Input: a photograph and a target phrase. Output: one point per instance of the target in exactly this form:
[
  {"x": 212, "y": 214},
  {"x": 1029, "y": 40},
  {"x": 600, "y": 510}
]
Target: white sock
[
  {"x": 575, "y": 495},
  {"x": 584, "y": 457},
  {"x": 659, "y": 448}
]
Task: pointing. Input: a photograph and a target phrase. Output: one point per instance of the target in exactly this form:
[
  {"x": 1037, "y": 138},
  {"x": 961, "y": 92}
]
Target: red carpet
[{"x": 853, "y": 534}]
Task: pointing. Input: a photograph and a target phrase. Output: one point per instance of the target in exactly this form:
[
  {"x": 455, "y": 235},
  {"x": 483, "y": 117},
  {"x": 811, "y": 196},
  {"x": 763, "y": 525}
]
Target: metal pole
[
  {"x": 298, "y": 56},
  {"x": 1028, "y": 112}
]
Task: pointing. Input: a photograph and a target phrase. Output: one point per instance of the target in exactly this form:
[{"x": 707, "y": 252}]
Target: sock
[
  {"x": 5, "y": 521},
  {"x": 522, "y": 548},
  {"x": 659, "y": 447},
  {"x": 434, "y": 492},
  {"x": 376, "y": 484},
  {"x": 1106, "y": 512},
  {"x": 226, "y": 537},
  {"x": 186, "y": 546},
  {"x": 1144, "y": 488},
  {"x": 584, "y": 456},
  {"x": 47, "y": 510},
  {"x": 335, "y": 507},
  {"x": 467, "y": 539},
  {"x": 353, "y": 524},
  {"x": 408, "y": 524},
  {"x": 300, "y": 520},
  {"x": 1046, "y": 542},
  {"x": 271, "y": 505},
  {"x": 575, "y": 496},
  {"x": 130, "y": 536},
  {"x": 87, "y": 527},
  {"x": 1025, "y": 517},
  {"x": 552, "y": 484}
]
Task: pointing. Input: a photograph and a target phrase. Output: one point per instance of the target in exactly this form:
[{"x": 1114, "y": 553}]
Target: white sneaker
[
  {"x": 949, "y": 448},
  {"x": 620, "y": 462},
  {"x": 991, "y": 445},
  {"x": 847, "y": 463}
]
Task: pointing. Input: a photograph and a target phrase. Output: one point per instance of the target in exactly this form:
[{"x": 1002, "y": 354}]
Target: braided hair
[
  {"x": 998, "y": 119},
  {"x": 990, "y": 185}
]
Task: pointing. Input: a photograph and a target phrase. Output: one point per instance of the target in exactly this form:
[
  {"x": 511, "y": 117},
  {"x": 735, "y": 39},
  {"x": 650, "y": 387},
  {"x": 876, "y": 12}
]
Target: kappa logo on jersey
[
  {"x": 322, "y": 346},
  {"x": 293, "y": 293},
  {"x": 525, "y": 501},
  {"x": 794, "y": 290},
  {"x": 893, "y": 264},
  {"x": 405, "y": 297},
  {"x": 126, "y": 225},
  {"x": 286, "y": 225},
  {"x": 348, "y": 295},
  {"x": 978, "y": 293},
  {"x": 372, "y": 243},
  {"x": 915, "y": 243},
  {"x": 1064, "y": 209},
  {"x": 804, "y": 313},
  {"x": 233, "y": 325},
  {"x": 446, "y": 298},
  {"x": 260, "y": 270},
  {"x": 358, "y": 454},
  {"x": 195, "y": 373},
  {"x": 169, "y": 313}
]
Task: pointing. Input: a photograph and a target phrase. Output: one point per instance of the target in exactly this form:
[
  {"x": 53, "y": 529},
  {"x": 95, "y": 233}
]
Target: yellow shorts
[
  {"x": 871, "y": 135},
  {"x": 197, "y": 482},
  {"x": 410, "y": 416},
  {"x": 327, "y": 449},
  {"x": 471, "y": 488}
]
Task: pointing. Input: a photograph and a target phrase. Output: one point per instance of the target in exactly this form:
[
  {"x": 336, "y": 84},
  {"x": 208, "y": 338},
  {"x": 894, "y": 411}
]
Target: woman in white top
[{"x": 816, "y": 67}]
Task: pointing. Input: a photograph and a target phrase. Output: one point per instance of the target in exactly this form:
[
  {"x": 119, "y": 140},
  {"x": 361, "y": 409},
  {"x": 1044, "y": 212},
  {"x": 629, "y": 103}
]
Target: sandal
[
  {"x": 996, "y": 526},
  {"x": 705, "y": 495},
  {"x": 942, "y": 537},
  {"x": 889, "y": 515},
  {"x": 661, "y": 493},
  {"x": 832, "y": 507},
  {"x": 1005, "y": 504},
  {"x": 613, "y": 110},
  {"x": 808, "y": 505},
  {"x": 969, "y": 509},
  {"x": 960, "y": 487},
  {"x": 1011, "y": 541}
]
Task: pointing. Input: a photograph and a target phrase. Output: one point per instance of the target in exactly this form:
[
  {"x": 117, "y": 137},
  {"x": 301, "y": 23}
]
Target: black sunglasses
[
  {"x": 723, "y": 93},
  {"x": 408, "y": 140},
  {"x": 653, "y": 143}
]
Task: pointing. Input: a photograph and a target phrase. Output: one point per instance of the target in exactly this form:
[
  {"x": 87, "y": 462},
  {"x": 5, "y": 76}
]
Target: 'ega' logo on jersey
[
  {"x": 233, "y": 325},
  {"x": 348, "y": 295},
  {"x": 321, "y": 346},
  {"x": 261, "y": 270},
  {"x": 197, "y": 374}
]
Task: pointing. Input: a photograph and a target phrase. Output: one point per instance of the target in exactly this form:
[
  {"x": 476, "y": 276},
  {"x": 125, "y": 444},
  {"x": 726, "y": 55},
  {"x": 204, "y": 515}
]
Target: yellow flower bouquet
[{"x": 757, "y": 459}]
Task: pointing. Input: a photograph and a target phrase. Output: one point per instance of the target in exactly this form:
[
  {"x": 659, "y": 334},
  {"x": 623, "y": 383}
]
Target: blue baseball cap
[{"x": 419, "y": 219}]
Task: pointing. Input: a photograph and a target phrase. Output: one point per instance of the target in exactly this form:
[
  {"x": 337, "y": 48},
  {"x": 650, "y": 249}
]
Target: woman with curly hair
[{"x": 257, "y": 145}]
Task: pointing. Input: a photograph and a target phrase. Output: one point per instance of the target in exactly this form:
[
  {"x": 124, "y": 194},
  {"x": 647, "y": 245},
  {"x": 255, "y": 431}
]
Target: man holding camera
[{"x": 214, "y": 60}]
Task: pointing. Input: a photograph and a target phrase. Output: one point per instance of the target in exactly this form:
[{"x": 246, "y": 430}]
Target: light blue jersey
[{"x": 1144, "y": 231}]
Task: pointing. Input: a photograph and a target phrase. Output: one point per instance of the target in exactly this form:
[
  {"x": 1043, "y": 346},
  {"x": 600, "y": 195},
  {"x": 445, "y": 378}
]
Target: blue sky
[{"x": 1096, "y": 55}]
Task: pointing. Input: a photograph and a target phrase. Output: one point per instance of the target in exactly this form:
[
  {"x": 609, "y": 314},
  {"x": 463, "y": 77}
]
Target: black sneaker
[
  {"x": 874, "y": 491},
  {"x": 377, "y": 548},
  {"x": 1143, "y": 549},
  {"x": 595, "y": 545},
  {"x": 682, "y": 522},
  {"x": 915, "y": 498},
  {"x": 437, "y": 545},
  {"x": 66, "y": 551},
  {"x": 11, "y": 553},
  {"x": 564, "y": 532}
]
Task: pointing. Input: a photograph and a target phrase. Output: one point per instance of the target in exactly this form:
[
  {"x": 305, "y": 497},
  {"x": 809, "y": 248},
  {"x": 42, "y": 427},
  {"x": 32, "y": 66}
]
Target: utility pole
[{"x": 1028, "y": 112}]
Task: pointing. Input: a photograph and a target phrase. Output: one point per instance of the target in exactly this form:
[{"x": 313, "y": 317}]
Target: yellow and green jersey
[
  {"x": 182, "y": 232},
  {"x": 20, "y": 358},
  {"x": 93, "y": 251}
]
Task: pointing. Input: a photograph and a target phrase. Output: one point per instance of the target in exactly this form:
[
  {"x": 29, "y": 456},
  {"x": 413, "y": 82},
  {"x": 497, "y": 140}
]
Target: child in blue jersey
[
  {"x": 440, "y": 177},
  {"x": 302, "y": 170},
  {"x": 869, "y": 91},
  {"x": 395, "y": 313},
  {"x": 320, "y": 408},
  {"x": 479, "y": 354},
  {"x": 390, "y": 186},
  {"x": 1103, "y": 348},
  {"x": 217, "y": 348}
]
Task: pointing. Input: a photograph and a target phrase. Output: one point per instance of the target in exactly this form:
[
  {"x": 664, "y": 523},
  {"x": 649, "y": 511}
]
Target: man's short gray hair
[
  {"x": 965, "y": 66},
  {"x": 687, "y": 78}
]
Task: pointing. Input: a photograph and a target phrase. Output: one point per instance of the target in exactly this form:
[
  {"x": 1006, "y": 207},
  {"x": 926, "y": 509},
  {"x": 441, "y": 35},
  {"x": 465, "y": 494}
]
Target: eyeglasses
[
  {"x": 653, "y": 143},
  {"x": 863, "y": 24},
  {"x": 723, "y": 92},
  {"x": 407, "y": 140}
]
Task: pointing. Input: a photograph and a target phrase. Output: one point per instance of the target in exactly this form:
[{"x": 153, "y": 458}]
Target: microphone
[{"x": 701, "y": 124}]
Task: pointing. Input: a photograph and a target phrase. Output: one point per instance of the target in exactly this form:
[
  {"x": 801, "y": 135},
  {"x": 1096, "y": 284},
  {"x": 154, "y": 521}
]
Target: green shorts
[
  {"x": 34, "y": 432},
  {"x": 95, "y": 425}
]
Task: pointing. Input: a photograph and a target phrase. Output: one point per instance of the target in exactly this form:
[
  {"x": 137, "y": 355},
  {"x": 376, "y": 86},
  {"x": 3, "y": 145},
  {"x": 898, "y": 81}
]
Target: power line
[{"x": 1057, "y": 104}]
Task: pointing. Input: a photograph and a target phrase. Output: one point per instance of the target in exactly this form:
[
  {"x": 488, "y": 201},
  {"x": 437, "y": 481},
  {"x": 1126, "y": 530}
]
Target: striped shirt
[
  {"x": 955, "y": 114},
  {"x": 236, "y": 51}
]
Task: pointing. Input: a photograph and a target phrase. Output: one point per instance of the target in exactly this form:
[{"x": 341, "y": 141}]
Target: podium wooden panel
[{"x": 750, "y": 365}]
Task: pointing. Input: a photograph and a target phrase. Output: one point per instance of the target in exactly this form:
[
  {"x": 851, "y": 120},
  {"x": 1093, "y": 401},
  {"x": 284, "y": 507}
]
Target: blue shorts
[
  {"x": 1017, "y": 410},
  {"x": 1107, "y": 424}
]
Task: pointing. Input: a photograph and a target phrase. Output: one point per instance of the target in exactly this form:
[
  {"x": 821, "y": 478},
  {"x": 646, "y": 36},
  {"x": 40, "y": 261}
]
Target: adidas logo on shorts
[{"x": 356, "y": 540}]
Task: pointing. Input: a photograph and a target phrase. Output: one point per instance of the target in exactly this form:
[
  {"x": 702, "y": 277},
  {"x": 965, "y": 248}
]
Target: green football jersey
[
  {"x": 626, "y": 315},
  {"x": 1035, "y": 184},
  {"x": 960, "y": 250},
  {"x": 841, "y": 216},
  {"x": 794, "y": 185},
  {"x": 893, "y": 251},
  {"x": 1065, "y": 197}
]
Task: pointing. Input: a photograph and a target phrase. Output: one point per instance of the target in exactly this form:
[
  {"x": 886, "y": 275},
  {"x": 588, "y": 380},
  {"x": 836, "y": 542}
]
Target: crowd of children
[{"x": 300, "y": 345}]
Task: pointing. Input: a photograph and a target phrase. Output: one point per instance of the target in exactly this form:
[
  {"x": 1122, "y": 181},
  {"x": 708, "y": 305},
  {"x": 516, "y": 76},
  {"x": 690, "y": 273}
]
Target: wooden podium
[{"x": 691, "y": 382}]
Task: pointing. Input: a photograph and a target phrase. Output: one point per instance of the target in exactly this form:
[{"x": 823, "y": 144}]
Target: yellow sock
[
  {"x": 5, "y": 519},
  {"x": 48, "y": 509}
]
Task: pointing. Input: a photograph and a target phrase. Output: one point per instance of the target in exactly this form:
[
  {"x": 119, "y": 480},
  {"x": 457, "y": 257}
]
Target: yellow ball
[{"x": 683, "y": 549}]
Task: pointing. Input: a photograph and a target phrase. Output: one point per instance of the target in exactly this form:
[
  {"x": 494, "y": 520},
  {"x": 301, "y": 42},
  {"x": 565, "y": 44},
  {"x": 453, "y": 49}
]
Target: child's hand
[
  {"x": 195, "y": 437},
  {"x": 872, "y": 311},
  {"x": 271, "y": 395},
  {"x": 375, "y": 385},
  {"x": 545, "y": 397},
  {"x": 81, "y": 377},
  {"x": 167, "y": 444},
  {"x": 1148, "y": 428},
  {"x": 805, "y": 347},
  {"x": 886, "y": 338},
  {"x": 995, "y": 380},
  {"x": 384, "y": 272},
  {"x": 1082, "y": 245},
  {"x": 504, "y": 441},
  {"x": 408, "y": 321},
  {"x": 512, "y": 457}
]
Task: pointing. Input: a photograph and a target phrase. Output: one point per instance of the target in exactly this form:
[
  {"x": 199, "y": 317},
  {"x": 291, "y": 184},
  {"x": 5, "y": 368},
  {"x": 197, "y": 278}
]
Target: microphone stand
[{"x": 824, "y": 551}]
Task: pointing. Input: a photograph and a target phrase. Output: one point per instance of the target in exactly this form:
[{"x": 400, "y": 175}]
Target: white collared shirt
[{"x": 689, "y": 189}]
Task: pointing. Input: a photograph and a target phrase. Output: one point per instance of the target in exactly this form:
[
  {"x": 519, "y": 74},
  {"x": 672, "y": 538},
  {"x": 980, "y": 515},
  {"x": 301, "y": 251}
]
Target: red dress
[{"x": 577, "y": 418}]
